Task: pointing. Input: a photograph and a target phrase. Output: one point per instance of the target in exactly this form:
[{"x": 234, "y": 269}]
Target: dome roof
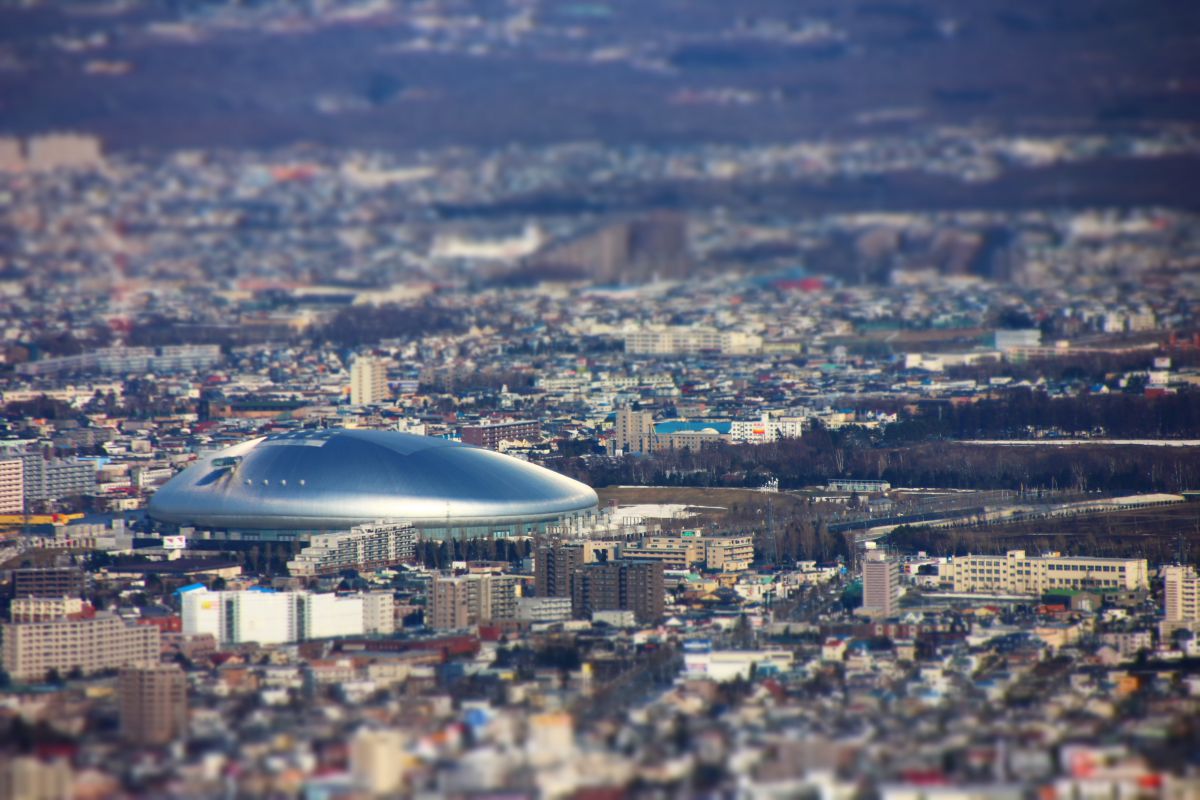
[{"x": 331, "y": 479}]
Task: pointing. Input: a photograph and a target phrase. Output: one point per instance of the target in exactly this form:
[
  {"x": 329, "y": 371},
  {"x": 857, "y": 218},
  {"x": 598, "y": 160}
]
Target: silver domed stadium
[{"x": 285, "y": 486}]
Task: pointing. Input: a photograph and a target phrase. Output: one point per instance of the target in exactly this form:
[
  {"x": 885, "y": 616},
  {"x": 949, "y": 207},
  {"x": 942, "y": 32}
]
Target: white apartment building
[
  {"x": 766, "y": 429},
  {"x": 1016, "y": 573},
  {"x": 691, "y": 340},
  {"x": 368, "y": 381},
  {"x": 364, "y": 547}
]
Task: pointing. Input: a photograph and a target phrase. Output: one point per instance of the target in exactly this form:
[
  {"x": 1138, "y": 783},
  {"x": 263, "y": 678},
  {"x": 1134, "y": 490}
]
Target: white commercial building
[{"x": 268, "y": 617}]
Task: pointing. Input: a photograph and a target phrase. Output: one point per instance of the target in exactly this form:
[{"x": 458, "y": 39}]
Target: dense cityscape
[{"x": 514, "y": 399}]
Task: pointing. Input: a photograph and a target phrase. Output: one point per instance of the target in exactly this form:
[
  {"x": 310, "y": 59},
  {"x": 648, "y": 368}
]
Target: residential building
[
  {"x": 631, "y": 585},
  {"x": 368, "y": 381},
  {"x": 633, "y": 432},
  {"x": 766, "y": 429},
  {"x": 42, "y": 609},
  {"x": 543, "y": 609},
  {"x": 1015, "y": 573},
  {"x": 464, "y": 601},
  {"x": 12, "y": 486},
  {"x": 1181, "y": 598},
  {"x": 363, "y": 547},
  {"x": 691, "y": 340},
  {"x": 152, "y": 700},
  {"x": 52, "y": 582},
  {"x": 491, "y": 434},
  {"x": 673, "y": 552},
  {"x": 553, "y": 568},
  {"x": 728, "y": 553},
  {"x": 32, "y": 649},
  {"x": 881, "y": 585},
  {"x": 53, "y": 479}
]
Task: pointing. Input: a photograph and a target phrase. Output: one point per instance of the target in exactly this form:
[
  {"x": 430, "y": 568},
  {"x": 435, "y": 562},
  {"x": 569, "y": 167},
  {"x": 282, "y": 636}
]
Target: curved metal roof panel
[{"x": 328, "y": 479}]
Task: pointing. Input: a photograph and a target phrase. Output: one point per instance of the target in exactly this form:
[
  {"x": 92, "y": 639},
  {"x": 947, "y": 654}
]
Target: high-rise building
[
  {"x": 88, "y": 645},
  {"x": 152, "y": 699},
  {"x": 635, "y": 586},
  {"x": 12, "y": 486},
  {"x": 1181, "y": 598},
  {"x": 553, "y": 567},
  {"x": 464, "y": 601},
  {"x": 368, "y": 381},
  {"x": 881, "y": 585},
  {"x": 633, "y": 432}
]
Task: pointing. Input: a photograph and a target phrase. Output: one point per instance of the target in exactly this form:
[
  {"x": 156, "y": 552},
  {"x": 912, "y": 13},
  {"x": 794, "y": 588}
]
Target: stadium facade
[{"x": 287, "y": 487}]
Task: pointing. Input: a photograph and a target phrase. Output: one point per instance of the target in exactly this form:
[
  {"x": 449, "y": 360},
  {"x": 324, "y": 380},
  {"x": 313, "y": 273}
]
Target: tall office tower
[
  {"x": 633, "y": 432},
  {"x": 12, "y": 486},
  {"x": 368, "y": 381},
  {"x": 152, "y": 699},
  {"x": 1181, "y": 598},
  {"x": 635, "y": 586},
  {"x": 881, "y": 585}
]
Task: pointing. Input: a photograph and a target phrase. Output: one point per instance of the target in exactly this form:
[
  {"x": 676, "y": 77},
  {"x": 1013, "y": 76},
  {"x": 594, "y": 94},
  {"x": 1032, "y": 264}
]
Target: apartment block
[
  {"x": 881, "y": 585},
  {"x": 673, "y": 552},
  {"x": 689, "y": 340},
  {"x": 368, "y": 381},
  {"x": 363, "y": 547},
  {"x": 51, "y": 582},
  {"x": 624, "y": 585},
  {"x": 766, "y": 429},
  {"x": 1181, "y": 598},
  {"x": 464, "y": 601},
  {"x": 31, "y": 649},
  {"x": 633, "y": 432},
  {"x": 152, "y": 702},
  {"x": 1016, "y": 573},
  {"x": 728, "y": 553},
  {"x": 43, "y": 609},
  {"x": 491, "y": 434},
  {"x": 12, "y": 486}
]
